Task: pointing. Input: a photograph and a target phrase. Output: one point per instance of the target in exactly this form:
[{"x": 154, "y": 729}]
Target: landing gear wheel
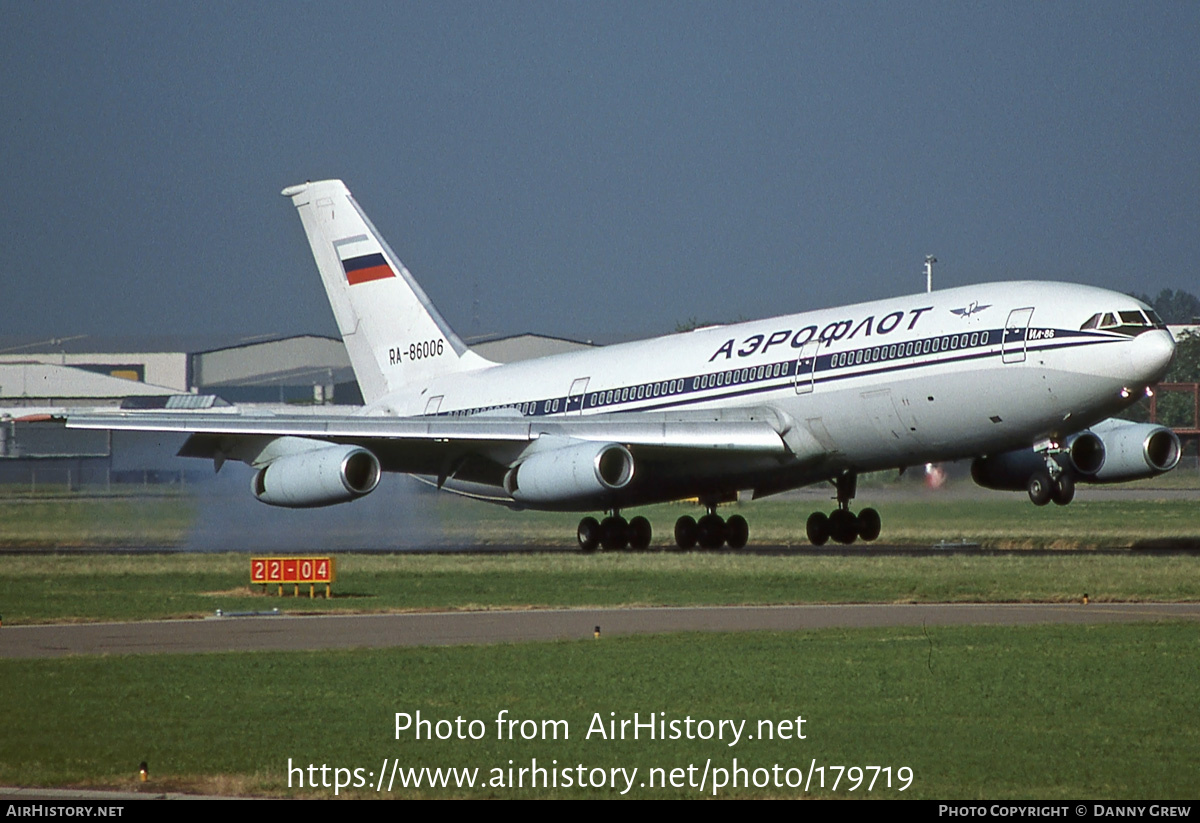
[
  {"x": 843, "y": 526},
  {"x": 686, "y": 532},
  {"x": 640, "y": 533},
  {"x": 1040, "y": 488},
  {"x": 614, "y": 533},
  {"x": 710, "y": 531},
  {"x": 817, "y": 528},
  {"x": 1063, "y": 491},
  {"x": 737, "y": 532},
  {"x": 869, "y": 524},
  {"x": 588, "y": 534}
]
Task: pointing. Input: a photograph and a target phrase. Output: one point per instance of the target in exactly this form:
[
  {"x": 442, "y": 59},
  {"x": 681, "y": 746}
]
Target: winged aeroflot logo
[{"x": 971, "y": 309}]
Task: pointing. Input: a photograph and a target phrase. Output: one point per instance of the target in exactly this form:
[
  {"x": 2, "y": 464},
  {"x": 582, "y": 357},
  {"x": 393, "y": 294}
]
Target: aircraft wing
[
  {"x": 558, "y": 460},
  {"x": 715, "y": 433}
]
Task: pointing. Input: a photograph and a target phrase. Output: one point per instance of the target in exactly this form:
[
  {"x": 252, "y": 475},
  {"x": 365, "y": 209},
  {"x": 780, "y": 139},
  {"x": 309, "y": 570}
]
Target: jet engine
[
  {"x": 571, "y": 474},
  {"x": 1135, "y": 450},
  {"x": 321, "y": 477},
  {"x": 1110, "y": 452}
]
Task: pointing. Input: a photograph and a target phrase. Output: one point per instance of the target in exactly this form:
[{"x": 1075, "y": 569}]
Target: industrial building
[{"x": 193, "y": 372}]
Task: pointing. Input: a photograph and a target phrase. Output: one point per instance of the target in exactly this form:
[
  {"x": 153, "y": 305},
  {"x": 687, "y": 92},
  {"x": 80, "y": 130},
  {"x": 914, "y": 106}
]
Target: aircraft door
[
  {"x": 1016, "y": 336},
  {"x": 577, "y": 395},
  {"x": 806, "y": 367}
]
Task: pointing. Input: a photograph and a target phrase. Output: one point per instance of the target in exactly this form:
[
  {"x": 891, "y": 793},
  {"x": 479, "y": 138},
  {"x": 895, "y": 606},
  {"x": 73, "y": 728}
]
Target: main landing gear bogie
[
  {"x": 842, "y": 525},
  {"x": 614, "y": 533},
  {"x": 711, "y": 532}
]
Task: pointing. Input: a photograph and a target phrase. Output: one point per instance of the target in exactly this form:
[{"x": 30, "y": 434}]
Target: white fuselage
[{"x": 934, "y": 376}]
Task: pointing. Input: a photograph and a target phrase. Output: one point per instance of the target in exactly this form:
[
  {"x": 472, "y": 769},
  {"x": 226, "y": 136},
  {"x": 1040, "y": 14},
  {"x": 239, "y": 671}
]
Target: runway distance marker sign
[{"x": 295, "y": 570}]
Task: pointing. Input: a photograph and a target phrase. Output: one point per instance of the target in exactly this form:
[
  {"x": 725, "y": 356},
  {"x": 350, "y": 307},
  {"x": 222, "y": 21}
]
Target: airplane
[{"x": 1021, "y": 377}]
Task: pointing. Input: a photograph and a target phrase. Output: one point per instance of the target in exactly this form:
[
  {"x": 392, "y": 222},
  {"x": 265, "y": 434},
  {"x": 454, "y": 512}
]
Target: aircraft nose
[{"x": 1150, "y": 355}]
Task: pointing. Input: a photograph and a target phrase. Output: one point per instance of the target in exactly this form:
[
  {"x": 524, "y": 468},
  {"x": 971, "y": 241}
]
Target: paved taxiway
[{"x": 453, "y": 628}]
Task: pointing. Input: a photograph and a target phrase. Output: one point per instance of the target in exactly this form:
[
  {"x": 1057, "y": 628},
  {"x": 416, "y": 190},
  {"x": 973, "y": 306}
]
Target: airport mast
[{"x": 929, "y": 261}]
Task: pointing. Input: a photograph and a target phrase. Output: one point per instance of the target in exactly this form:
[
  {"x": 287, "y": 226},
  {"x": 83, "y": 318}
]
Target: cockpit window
[{"x": 1131, "y": 322}]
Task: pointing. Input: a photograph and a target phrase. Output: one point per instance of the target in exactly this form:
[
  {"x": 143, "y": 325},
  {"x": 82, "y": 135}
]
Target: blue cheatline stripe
[{"x": 779, "y": 375}]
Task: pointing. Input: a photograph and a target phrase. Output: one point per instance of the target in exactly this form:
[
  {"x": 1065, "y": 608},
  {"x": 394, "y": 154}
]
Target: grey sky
[{"x": 597, "y": 170}]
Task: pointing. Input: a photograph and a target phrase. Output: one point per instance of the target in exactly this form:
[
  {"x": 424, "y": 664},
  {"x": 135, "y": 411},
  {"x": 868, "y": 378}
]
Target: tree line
[{"x": 1175, "y": 408}]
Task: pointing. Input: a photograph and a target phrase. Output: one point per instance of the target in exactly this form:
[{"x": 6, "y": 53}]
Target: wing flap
[{"x": 720, "y": 435}]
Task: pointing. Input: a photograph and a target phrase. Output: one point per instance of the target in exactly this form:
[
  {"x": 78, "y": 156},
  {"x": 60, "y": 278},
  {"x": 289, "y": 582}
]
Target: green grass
[
  {"x": 996, "y": 521},
  {"x": 1011, "y": 522},
  {"x": 67, "y": 522},
  {"x": 40, "y": 588},
  {"x": 1030, "y": 712},
  {"x": 1005, "y": 522},
  {"x": 62, "y": 521},
  {"x": 1051, "y": 712}
]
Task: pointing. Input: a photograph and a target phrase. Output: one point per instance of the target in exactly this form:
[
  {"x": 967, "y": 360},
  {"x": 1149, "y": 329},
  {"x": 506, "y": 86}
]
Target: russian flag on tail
[{"x": 366, "y": 268}]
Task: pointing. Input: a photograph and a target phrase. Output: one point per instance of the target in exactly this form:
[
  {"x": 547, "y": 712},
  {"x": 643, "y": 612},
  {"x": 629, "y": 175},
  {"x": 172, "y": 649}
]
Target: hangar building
[{"x": 146, "y": 372}]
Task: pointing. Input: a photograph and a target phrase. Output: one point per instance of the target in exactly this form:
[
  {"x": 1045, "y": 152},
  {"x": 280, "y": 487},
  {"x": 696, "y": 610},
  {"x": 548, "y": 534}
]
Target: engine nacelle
[
  {"x": 573, "y": 474},
  {"x": 321, "y": 477},
  {"x": 1085, "y": 455},
  {"x": 1135, "y": 450}
]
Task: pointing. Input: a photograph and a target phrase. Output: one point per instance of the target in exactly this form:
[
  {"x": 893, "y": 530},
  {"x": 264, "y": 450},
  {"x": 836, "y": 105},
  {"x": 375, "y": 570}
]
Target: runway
[
  {"x": 1165, "y": 547},
  {"x": 310, "y": 633}
]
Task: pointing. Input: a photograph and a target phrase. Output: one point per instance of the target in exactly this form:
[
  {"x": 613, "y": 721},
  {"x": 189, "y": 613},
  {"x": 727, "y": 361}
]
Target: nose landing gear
[{"x": 1053, "y": 483}]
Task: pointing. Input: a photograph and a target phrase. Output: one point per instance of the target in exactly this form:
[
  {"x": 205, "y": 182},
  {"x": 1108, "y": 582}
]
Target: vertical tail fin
[{"x": 393, "y": 334}]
